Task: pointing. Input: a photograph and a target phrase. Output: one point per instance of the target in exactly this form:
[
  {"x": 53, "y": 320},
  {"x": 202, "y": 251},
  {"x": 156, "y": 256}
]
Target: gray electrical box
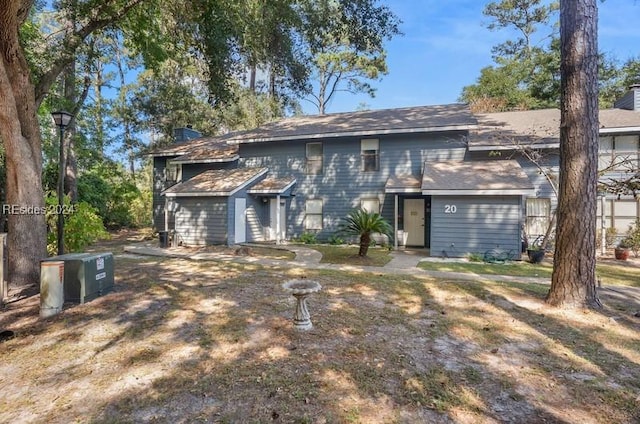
[{"x": 86, "y": 275}]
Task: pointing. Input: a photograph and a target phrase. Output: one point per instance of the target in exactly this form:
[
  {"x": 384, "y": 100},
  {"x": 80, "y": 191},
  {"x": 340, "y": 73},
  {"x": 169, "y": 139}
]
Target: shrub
[
  {"x": 83, "y": 225},
  {"x": 363, "y": 224},
  {"x": 308, "y": 238},
  {"x": 335, "y": 240},
  {"x": 475, "y": 257},
  {"x": 632, "y": 239}
]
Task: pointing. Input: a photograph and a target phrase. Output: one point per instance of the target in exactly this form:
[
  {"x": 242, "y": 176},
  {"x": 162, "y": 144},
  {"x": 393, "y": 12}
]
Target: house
[{"x": 446, "y": 179}]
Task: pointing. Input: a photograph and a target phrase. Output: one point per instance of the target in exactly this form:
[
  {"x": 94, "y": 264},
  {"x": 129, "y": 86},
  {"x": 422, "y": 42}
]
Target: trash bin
[
  {"x": 164, "y": 239},
  {"x": 51, "y": 288}
]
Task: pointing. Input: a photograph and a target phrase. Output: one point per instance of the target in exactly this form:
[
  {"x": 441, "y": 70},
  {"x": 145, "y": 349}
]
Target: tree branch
[{"x": 74, "y": 39}]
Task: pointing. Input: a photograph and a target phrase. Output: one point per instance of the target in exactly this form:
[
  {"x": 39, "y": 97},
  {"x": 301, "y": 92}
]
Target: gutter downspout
[{"x": 395, "y": 222}]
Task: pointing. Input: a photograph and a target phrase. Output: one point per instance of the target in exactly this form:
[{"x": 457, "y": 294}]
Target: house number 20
[{"x": 450, "y": 209}]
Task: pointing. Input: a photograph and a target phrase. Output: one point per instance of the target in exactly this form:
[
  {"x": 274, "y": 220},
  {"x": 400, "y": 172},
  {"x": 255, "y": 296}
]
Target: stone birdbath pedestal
[{"x": 300, "y": 289}]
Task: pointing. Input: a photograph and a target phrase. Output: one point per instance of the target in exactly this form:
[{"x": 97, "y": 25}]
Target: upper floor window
[
  {"x": 619, "y": 153},
  {"x": 370, "y": 154},
  {"x": 173, "y": 173},
  {"x": 314, "y": 158}
]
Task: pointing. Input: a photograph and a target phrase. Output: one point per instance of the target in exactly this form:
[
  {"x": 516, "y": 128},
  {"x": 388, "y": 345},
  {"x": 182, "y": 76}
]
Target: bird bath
[{"x": 300, "y": 289}]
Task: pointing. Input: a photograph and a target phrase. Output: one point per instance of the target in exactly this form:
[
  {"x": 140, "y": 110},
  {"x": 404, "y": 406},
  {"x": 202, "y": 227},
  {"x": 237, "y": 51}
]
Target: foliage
[
  {"x": 82, "y": 227},
  {"x": 632, "y": 238},
  {"x": 344, "y": 41},
  {"x": 527, "y": 70},
  {"x": 140, "y": 209},
  {"x": 475, "y": 257},
  {"x": 335, "y": 239},
  {"x": 119, "y": 202},
  {"x": 363, "y": 224},
  {"x": 308, "y": 238}
]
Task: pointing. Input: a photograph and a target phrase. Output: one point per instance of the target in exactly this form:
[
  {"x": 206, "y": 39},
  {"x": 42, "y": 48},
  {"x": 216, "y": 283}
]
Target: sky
[{"x": 446, "y": 43}]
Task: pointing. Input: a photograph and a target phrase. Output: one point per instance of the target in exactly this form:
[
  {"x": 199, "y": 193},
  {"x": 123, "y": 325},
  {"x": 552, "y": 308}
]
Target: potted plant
[
  {"x": 632, "y": 240},
  {"x": 622, "y": 250},
  {"x": 535, "y": 254}
]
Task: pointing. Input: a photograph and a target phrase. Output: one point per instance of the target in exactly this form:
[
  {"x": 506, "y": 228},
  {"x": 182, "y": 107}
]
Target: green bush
[
  {"x": 82, "y": 227},
  {"x": 475, "y": 257},
  {"x": 335, "y": 240},
  {"x": 632, "y": 239},
  {"x": 308, "y": 238},
  {"x": 140, "y": 209}
]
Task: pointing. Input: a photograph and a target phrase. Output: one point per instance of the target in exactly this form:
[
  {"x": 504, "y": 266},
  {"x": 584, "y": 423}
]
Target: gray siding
[
  {"x": 190, "y": 170},
  {"x": 479, "y": 224},
  {"x": 342, "y": 183},
  {"x": 201, "y": 220},
  {"x": 630, "y": 101}
]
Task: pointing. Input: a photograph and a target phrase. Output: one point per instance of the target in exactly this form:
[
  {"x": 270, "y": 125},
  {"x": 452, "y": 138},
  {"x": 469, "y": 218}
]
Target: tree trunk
[
  {"x": 71, "y": 162},
  {"x": 365, "y": 241},
  {"x": 573, "y": 282},
  {"x": 20, "y": 134}
]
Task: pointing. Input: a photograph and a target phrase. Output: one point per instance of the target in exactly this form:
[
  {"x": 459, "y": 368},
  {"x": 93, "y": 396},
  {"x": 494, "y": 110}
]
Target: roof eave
[
  {"x": 480, "y": 192},
  {"x": 367, "y": 133},
  {"x": 503, "y": 147},
  {"x": 272, "y": 191},
  {"x": 211, "y": 160},
  {"x": 619, "y": 130}
]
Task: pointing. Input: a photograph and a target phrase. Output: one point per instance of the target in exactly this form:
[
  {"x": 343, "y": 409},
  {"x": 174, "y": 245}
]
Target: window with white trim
[
  {"x": 314, "y": 158},
  {"x": 370, "y": 154},
  {"x": 619, "y": 153},
  {"x": 538, "y": 216},
  {"x": 371, "y": 204},
  {"x": 313, "y": 214},
  {"x": 173, "y": 173}
]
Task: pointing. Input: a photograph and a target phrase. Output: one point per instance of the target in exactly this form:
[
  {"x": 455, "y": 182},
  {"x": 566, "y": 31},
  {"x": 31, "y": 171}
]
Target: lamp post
[{"x": 62, "y": 120}]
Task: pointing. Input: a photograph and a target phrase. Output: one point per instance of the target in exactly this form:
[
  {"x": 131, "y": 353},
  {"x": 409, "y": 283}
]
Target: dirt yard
[{"x": 181, "y": 342}]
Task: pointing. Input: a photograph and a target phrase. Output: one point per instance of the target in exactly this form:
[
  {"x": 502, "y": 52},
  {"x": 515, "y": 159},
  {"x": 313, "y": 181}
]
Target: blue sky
[{"x": 446, "y": 43}]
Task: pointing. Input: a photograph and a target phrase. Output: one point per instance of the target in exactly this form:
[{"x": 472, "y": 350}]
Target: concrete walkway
[{"x": 404, "y": 262}]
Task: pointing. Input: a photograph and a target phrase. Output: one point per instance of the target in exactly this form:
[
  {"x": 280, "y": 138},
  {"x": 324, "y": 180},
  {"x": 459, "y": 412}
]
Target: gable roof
[
  {"x": 214, "y": 152},
  {"x": 488, "y": 177},
  {"x": 361, "y": 124},
  {"x": 271, "y": 185},
  {"x": 198, "y": 148},
  {"x": 217, "y": 182},
  {"x": 540, "y": 128}
]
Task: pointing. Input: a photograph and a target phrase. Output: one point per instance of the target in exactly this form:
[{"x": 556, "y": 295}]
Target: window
[
  {"x": 538, "y": 215},
  {"x": 173, "y": 172},
  {"x": 314, "y": 158},
  {"x": 370, "y": 153},
  {"x": 313, "y": 214},
  {"x": 619, "y": 153},
  {"x": 370, "y": 204}
]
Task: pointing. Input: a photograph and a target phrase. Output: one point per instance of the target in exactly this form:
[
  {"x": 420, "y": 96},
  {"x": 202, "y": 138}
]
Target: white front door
[
  {"x": 414, "y": 222},
  {"x": 241, "y": 220},
  {"x": 277, "y": 232}
]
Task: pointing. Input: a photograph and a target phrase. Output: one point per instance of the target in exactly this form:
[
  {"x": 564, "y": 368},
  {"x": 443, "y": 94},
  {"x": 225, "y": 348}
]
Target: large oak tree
[{"x": 20, "y": 98}]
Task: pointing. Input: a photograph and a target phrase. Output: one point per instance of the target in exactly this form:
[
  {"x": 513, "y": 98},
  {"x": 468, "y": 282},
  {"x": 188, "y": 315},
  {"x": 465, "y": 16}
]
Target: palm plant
[{"x": 363, "y": 224}]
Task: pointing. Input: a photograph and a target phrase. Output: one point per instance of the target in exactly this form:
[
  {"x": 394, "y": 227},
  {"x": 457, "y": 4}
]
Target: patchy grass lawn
[
  {"x": 348, "y": 255},
  {"x": 182, "y": 341},
  {"x": 610, "y": 272}
]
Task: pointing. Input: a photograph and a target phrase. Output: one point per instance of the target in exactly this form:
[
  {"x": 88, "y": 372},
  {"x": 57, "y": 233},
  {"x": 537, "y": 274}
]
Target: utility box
[
  {"x": 86, "y": 275},
  {"x": 51, "y": 288}
]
